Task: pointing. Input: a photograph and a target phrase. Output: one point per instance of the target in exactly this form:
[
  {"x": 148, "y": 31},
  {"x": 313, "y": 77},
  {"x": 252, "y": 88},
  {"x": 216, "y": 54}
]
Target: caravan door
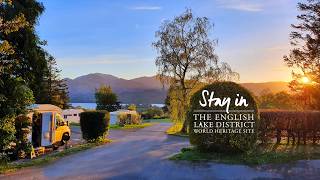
[{"x": 46, "y": 135}]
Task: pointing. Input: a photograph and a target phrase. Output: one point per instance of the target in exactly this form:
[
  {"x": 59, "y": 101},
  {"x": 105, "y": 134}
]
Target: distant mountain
[
  {"x": 142, "y": 90},
  {"x": 273, "y": 87}
]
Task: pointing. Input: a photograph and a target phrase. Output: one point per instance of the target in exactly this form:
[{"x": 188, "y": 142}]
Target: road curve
[{"x": 143, "y": 154}]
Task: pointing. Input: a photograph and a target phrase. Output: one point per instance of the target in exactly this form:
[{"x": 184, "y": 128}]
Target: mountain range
[{"x": 142, "y": 90}]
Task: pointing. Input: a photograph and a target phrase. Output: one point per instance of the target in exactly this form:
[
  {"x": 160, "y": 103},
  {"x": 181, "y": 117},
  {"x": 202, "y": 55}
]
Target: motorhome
[
  {"x": 72, "y": 115},
  {"x": 49, "y": 129}
]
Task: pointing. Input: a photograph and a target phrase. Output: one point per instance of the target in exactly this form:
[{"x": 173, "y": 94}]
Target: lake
[{"x": 94, "y": 105}]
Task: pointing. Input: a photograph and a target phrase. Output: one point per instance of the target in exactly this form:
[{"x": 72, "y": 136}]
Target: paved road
[{"x": 142, "y": 154}]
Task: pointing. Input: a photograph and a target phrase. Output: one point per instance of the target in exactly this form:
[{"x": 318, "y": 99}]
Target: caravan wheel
[{"x": 65, "y": 138}]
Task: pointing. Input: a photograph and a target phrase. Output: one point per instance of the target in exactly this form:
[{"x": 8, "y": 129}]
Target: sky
[{"x": 115, "y": 36}]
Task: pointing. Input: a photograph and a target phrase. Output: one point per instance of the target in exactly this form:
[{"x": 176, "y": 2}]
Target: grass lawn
[
  {"x": 45, "y": 159},
  {"x": 74, "y": 124},
  {"x": 271, "y": 153},
  {"x": 132, "y": 126},
  {"x": 164, "y": 120}
]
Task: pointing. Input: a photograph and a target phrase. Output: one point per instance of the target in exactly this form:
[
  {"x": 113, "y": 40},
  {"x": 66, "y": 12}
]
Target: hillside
[{"x": 144, "y": 90}]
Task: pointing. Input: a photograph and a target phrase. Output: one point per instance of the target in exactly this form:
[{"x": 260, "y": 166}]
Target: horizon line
[{"x": 149, "y": 76}]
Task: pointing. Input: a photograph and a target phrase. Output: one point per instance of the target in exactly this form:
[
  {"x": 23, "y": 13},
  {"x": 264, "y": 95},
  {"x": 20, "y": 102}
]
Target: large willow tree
[{"x": 186, "y": 57}]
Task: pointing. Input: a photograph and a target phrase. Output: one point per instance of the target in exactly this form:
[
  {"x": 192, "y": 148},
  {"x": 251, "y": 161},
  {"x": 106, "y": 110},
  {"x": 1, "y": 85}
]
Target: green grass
[
  {"x": 45, "y": 159},
  {"x": 132, "y": 126},
  {"x": 164, "y": 120},
  {"x": 74, "y": 124},
  {"x": 261, "y": 155}
]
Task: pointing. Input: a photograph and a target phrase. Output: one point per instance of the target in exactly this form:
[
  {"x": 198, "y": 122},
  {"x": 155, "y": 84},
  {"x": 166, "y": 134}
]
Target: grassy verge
[
  {"x": 74, "y": 124},
  {"x": 132, "y": 126},
  {"x": 261, "y": 155},
  {"x": 175, "y": 130},
  {"x": 45, "y": 159},
  {"x": 164, "y": 120}
]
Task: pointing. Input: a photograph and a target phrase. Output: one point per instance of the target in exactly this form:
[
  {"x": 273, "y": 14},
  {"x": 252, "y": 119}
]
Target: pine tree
[{"x": 57, "y": 89}]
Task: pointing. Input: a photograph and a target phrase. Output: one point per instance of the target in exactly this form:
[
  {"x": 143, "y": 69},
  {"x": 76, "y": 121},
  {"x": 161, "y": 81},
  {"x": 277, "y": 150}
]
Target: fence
[{"x": 294, "y": 125}]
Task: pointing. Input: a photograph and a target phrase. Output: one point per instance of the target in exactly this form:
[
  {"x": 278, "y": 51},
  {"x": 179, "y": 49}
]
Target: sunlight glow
[{"x": 305, "y": 80}]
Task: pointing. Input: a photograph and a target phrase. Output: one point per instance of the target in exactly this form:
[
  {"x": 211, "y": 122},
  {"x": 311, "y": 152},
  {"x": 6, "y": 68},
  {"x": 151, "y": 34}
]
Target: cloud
[
  {"x": 241, "y": 5},
  {"x": 146, "y": 8}
]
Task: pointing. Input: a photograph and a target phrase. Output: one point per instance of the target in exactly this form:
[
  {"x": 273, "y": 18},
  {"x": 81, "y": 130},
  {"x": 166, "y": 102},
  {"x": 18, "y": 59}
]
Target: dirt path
[{"x": 142, "y": 154}]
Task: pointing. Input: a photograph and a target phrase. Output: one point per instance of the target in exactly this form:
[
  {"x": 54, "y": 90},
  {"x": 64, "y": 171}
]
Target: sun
[{"x": 305, "y": 80}]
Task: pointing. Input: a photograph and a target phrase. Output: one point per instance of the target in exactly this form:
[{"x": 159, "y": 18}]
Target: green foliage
[
  {"x": 94, "y": 124},
  {"x": 23, "y": 146},
  {"x": 130, "y": 126},
  {"x": 28, "y": 59},
  {"x": 57, "y": 89},
  {"x": 263, "y": 154},
  {"x": 128, "y": 118},
  {"x": 7, "y": 132},
  {"x": 8, "y": 26},
  {"x": 280, "y": 100},
  {"x": 186, "y": 57},
  {"x": 15, "y": 96},
  {"x": 153, "y": 113},
  {"x": 224, "y": 142},
  {"x": 132, "y": 107},
  {"x": 43, "y": 160},
  {"x": 106, "y": 99}
]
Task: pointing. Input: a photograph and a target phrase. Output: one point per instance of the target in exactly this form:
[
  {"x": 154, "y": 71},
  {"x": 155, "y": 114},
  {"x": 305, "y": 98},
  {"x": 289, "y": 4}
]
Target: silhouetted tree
[{"x": 304, "y": 57}]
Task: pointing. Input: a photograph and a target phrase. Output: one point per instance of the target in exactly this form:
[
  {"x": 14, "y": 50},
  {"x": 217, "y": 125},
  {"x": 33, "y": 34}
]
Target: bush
[
  {"x": 223, "y": 142},
  {"x": 125, "y": 118},
  {"x": 94, "y": 124},
  {"x": 153, "y": 113},
  {"x": 132, "y": 107},
  {"x": 23, "y": 146}
]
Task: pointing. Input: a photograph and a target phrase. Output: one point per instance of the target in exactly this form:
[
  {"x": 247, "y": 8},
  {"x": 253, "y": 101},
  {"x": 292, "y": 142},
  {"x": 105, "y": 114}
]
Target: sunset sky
[{"x": 115, "y": 36}]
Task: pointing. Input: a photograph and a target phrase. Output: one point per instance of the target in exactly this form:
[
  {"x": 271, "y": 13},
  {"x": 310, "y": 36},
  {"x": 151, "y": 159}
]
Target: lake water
[{"x": 94, "y": 105}]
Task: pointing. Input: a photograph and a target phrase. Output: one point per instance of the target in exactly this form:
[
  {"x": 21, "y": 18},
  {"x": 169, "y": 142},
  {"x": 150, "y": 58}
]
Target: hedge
[
  {"x": 223, "y": 142},
  {"x": 94, "y": 124},
  {"x": 295, "y": 125}
]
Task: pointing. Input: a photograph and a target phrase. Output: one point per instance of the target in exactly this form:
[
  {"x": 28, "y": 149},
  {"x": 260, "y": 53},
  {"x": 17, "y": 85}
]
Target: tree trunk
[{"x": 184, "y": 129}]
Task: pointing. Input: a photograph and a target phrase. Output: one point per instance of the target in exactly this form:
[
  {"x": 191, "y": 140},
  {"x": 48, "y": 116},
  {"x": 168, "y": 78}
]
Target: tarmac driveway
[{"x": 143, "y": 153}]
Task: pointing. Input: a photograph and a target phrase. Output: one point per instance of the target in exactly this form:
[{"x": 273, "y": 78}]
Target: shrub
[
  {"x": 222, "y": 142},
  {"x": 153, "y": 113},
  {"x": 129, "y": 118},
  {"x": 23, "y": 146},
  {"x": 94, "y": 124},
  {"x": 132, "y": 107}
]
